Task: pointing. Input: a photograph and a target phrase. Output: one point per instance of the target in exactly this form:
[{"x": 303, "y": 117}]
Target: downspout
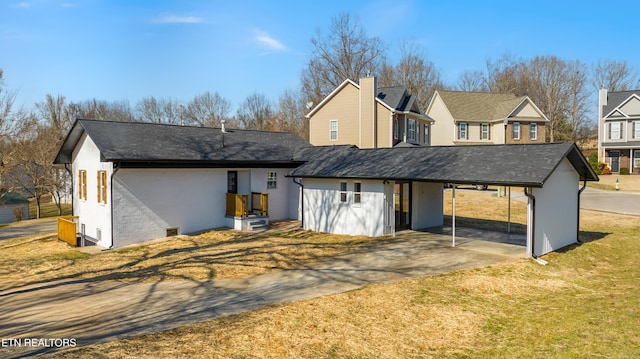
[
  {"x": 116, "y": 167},
  {"x": 301, "y": 202},
  {"x": 72, "y": 187},
  {"x": 533, "y": 226},
  {"x": 584, "y": 186}
]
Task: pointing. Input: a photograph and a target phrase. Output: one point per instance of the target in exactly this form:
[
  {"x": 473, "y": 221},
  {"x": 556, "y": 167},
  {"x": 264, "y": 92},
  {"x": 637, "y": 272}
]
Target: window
[
  {"x": 333, "y": 130},
  {"x": 533, "y": 131},
  {"x": 411, "y": 135},
  {"x": 636, "y": 158},
  {"x": 516, "y": 131},
  {"x": 82, "y": 184},
  {"x": 463, "y": 131},
  {"x": 232, "y": 182},
  {"x": 272, "y": 182},
  {"x": 484, "y": 131},
  {"x": 426, "y": 134},
  {"x": 343, "y": 191},
  {"x": 102, "y": 187},
  {"x": 357, "y": 186},
  {"x": 636, "y": 129},
  {"x": 615, "y": 131},
  {"x": 396, "y": 129}
]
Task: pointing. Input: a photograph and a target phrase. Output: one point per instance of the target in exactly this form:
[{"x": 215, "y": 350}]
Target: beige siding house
[
  {"x": 472, "y": 118},
  {"x": 368, "y": 117}
]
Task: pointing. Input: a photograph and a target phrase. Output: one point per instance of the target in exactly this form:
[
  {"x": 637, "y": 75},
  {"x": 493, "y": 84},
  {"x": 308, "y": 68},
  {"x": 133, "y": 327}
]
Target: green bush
[
  {"x": 595, "y": 165},
  {"x": 624, "y": 171}
]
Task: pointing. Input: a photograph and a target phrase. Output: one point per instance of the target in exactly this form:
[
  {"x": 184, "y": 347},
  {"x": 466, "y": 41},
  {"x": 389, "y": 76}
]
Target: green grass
[{"x": 49, "y": 210}]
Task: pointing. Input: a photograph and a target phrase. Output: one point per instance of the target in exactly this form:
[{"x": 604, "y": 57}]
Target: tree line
[{"x": 562, "y": 89}]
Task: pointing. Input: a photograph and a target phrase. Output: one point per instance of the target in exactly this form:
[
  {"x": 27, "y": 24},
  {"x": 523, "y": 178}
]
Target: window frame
[
  {"x": 411, "y": 130},
  {"x": 460, "y": 131},
  {"x": 484, "y": 126},
  {"x": 396, "y": 128},
  {"x": 636, "y": 129},
  {"x": 272, "y": 180},
  {"x": 427, "y": 140},
  {"x": 82, "y": 185},
  {"x": 333, "y": 132},
  {"x": 357, "y": 193},
  {"x": 533, "y": 131},
  {"x": 102, "y": 186},
  {"x": 515, "y": 132},
  {"x": 636, "y": 158},
  {"x": 343, "y": 192},
  {"x": 618, "y": 131}
]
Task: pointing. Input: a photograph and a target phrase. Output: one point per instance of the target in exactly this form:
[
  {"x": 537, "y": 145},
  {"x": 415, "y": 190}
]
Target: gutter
[
  {"x": 527, "y": 192},
  {"x": 584, "y": 186},
  {"x": 301, "y": 202},
  {"x": 116, "y": 167}
]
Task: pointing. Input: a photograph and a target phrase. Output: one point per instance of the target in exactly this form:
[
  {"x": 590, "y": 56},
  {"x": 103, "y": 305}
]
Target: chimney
[{"x": 367, "y": 123}]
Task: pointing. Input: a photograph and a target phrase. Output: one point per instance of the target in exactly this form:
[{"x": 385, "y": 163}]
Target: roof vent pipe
[{"x": 223, "y": 129}]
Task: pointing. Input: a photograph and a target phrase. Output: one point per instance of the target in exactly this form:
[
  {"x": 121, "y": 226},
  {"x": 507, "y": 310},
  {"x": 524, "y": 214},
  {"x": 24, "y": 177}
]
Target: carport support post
[
  {"x": 509, "y": 212},
  {"x": 453, "y": 214}
]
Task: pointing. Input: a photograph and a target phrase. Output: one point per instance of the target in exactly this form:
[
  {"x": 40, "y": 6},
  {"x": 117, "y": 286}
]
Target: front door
[
  {"x": 402, "y": 200},
  {"x": 615, "y": 161}
]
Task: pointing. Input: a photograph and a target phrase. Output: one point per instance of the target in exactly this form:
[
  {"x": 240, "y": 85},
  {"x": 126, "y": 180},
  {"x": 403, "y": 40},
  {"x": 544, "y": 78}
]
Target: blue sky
[{"x": 126, "y": 50}]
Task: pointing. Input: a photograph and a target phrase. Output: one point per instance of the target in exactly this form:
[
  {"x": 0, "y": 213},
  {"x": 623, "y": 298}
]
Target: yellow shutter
[
  {"x": 84, "y": 185},
  {"x": 104, "y": 186},
  {"x": 98, "y": 190},
  {"x": 80, "y": 184}
]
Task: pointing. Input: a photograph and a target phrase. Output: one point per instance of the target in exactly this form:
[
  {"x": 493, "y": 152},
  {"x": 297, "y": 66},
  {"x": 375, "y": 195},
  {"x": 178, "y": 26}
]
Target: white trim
[
  {"x": 617, "y": 108},
  {"x": 330, "y": 130},
  {"x": 526, "y": 98},
  {"x": 513, "y": 130},
  {"x": 333, "y": 93}
]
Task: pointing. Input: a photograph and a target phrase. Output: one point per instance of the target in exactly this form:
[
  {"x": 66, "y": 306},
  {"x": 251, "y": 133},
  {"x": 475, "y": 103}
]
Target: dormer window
[{"x": 411, "y": 133}]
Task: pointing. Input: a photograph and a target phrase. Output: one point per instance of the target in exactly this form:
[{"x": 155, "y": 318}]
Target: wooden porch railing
[
  {"x": 260, "y": 203},
  {"x": 237, "y": 205},
  {"x": 68, "y": 230}
]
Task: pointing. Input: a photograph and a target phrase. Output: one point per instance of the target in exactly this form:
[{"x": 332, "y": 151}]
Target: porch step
[{"x": 258, "y": 224}]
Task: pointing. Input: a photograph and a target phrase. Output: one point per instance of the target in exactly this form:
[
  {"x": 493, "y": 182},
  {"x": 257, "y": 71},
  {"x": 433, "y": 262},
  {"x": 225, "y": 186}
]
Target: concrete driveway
[{"x": 93, "y": 312}]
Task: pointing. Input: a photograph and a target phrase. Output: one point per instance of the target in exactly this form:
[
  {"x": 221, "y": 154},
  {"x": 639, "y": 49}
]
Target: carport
[{"x": 351, "y": 191}]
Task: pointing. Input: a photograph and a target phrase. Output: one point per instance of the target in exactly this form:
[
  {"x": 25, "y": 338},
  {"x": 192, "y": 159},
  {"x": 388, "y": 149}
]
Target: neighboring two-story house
[
  {"x": 465, "y": 118},
  {"x": 368, "y": 117},
  {"x": 619, "y": 130}
]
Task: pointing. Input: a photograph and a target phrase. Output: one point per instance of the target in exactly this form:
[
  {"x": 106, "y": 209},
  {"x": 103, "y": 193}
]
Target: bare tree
[
  {"x": 420, "y": 76},
  {"x": 207, "y": 110},
  {"x": 343, "y": 52},
  {"x": 257, "y": 113},
  {"x": 290, "y": 116},
  {"x": 578, "y": 104},
  {"x": 150, "y": 109},
  {"x": 472, "y": 81},
  {"x": 55, "y": 112},
  {"x": 503, "y": 75},
  {"x": 614, "y": 75},
  {"x": 102, "y": 110}
]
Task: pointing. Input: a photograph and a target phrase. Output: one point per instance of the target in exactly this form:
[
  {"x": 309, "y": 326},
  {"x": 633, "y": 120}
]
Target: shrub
[
  {"x": 595, "y": 165},
  {"x": 624, "y": 171}
]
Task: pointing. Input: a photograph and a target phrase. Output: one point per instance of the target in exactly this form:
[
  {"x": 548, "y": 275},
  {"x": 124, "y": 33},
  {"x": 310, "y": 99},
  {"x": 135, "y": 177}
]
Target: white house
[
  {"x": 379, "y": 191},
  {"x": 138, "y": 181}
]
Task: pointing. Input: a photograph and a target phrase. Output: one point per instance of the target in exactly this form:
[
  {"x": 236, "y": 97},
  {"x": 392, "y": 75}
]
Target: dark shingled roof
[
  {"x": 12, "y": 198},
  {"x": 137, "y": 142},
  {"x": 615, "y": 99},
  {"x": 396, "y": 97},
  {"x": 515, "y": 165}
]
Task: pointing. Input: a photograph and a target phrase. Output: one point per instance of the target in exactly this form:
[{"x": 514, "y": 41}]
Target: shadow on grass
[{"x": 486, "y": 224}]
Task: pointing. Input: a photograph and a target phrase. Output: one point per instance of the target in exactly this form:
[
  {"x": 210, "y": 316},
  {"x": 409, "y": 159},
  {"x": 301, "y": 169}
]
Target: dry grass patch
[
  {"x": 586, "y": 302},
  {"x": 215, "y": 254}
]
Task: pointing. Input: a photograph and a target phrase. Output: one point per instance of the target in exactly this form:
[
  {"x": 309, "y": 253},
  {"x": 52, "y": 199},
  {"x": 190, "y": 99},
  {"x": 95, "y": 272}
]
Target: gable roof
[
  {"x": 616, "y": 99},
  {"x": 138, "y": 142},
  {"x": 514, "y": 165},
  {"x": 395, "y": 98},
  {"x": 481, "y": 106},
  {"x": 7, "y": 198}
]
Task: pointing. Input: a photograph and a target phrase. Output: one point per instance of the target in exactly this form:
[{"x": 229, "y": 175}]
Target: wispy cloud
[
  {"x": 23, "y": 4},
  {"x": 265, "y": 40},
  {"x": 178, "y": 19}
]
